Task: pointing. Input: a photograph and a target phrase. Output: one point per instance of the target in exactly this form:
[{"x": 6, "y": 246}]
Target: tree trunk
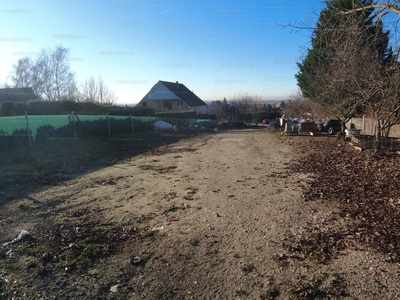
[
  {"x": 342, "y": 134},
  {"x": 378, "y": 137}
]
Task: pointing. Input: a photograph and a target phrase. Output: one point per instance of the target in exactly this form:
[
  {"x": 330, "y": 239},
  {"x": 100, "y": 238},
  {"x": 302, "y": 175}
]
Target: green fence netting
[{"x": 98, "y": 124}]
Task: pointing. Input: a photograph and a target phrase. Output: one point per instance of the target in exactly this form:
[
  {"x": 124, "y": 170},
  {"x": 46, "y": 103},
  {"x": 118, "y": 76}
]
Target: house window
[
  {"x": 167, "y": 105},
  {"x": 144, "y": 104}
]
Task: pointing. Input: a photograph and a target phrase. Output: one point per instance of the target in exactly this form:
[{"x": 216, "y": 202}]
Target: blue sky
[{"x": 216, "y": 48}]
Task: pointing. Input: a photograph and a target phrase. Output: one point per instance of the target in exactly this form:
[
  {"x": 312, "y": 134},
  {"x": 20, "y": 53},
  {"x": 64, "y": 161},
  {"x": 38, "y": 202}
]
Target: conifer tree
[{"x": 345, "y": 67}]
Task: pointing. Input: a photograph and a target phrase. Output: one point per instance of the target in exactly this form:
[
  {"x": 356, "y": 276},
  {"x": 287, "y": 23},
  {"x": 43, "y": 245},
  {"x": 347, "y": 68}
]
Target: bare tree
[
  {"x": 56, "y": 73},
  {"x": 299, "y": 106},
  {"x": 73, "y": 93},
  {"x": 49, "y": 74},
  {"x": 382, "y": 6},
  {"x": 220, "y": 109},
  {"x": 22, "y": 73},
  {"x": 96, "y": 91},
  {"x": 345, "y": 84},
  {"x": 89, "y": 90},
  {"x": 364, "y": 74},
  {"x": 105, "y": 95},
  {"x": 244, "y": 104}
]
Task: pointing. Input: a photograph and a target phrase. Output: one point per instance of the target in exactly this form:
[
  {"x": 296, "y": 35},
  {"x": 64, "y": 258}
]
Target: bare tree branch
[{"x": 97, "y": 91}]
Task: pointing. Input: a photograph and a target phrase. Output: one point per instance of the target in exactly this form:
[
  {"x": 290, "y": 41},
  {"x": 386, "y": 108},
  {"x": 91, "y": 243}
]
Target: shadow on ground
[{"x": 26, "y": 170}]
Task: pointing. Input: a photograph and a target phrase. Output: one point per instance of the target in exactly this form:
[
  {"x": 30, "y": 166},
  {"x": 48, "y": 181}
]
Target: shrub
[{"x": 8, "y": 108}]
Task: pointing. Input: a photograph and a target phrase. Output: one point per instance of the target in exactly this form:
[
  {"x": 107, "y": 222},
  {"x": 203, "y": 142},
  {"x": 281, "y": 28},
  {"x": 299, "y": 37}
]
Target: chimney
[{"x": 177, "y": 85}]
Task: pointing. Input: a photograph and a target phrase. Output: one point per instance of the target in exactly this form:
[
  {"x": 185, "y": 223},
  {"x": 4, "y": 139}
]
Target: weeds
[
  {"x": 170, "y": 196},
  {"x": 126, "y": 223},
  {"x": 154, "y": 234},
  {"x": 319, "y": 287},
  {"x": 159, "y": 169}
]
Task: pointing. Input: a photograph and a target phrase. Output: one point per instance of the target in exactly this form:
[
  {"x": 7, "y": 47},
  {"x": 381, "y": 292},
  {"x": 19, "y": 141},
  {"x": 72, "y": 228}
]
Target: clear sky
[{"x": 216, "y": 48}]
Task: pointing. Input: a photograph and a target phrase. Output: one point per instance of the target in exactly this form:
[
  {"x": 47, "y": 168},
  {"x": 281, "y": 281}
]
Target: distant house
[
  {"x": 17, "y": 94},
  {"x": 172, "y": 96}
]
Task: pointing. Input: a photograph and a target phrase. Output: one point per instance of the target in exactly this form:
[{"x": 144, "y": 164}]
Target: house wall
[
  {"x": 159, "y": 91},
  {"x": 174, "y": 105},
  {"x": 157, "y": 106}
]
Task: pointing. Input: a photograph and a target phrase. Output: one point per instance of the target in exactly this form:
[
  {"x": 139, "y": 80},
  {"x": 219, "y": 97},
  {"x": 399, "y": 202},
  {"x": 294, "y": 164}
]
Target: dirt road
[{"x": 210, "y": 217}]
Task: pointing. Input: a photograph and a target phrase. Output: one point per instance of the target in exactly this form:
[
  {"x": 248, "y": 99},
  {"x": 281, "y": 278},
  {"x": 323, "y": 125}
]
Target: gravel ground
[{"x": 232, "y": 215}]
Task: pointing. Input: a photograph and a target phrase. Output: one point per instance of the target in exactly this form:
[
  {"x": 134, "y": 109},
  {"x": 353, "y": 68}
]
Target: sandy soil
[{"x": 210, "y": 217}]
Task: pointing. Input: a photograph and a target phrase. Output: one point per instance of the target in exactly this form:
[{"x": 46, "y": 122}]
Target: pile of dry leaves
[{"x": 365, "y": 186}]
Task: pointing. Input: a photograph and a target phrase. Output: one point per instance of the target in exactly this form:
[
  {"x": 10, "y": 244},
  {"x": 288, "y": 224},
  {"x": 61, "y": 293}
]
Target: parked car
[{"x": 331, "y": 126}]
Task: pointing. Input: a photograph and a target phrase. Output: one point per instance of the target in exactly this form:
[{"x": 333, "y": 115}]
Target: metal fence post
[
  {"x": 133, "y": 129},
  {"x": 364, "y": 124},
  {"x": 73, "y": 122},
  {"x": 27, "y": 127},
  {"x": 108, "y": 124},
  {"x": 150, "y": 122}
]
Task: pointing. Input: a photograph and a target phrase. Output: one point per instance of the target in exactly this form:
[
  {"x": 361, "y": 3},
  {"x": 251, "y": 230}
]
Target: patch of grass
[
  {"x": 19, "y": 169},
  {"x": 144, "y": 257},
  {"x": 3, "y": 253},
  {"x": 11, "y": 172},
  {"x": 270, "y": 279},
  {"x": 105, "y": 229},
  {"x": 13, "y": 218},
  {"x": 64, "y": 219},
  {"x": 5, "y": 180},
  {"x": 159, "y": 169},
  {"x": 55, "y": 200},
  {"x": 170, "y": 196},
  {"x": 40, "y": 214},
  {"x": 145, "y": 167},
  {"x": 155, "y": 234},
  {"x": 11, "y": 265},
  {"x": 157, "y": 257},
  {"x": 127, "y": 222},
  {"x": 34, "y": 247},
  {"x": 319, "y": 287},
  {"x": 82, "y": 256},
  {"x": 146, "y": 218}
]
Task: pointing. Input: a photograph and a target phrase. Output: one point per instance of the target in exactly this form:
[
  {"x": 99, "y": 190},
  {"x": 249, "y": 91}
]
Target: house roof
[
  {"x": 17, "y": 94},
  {"x": 184, "y": 93}
]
